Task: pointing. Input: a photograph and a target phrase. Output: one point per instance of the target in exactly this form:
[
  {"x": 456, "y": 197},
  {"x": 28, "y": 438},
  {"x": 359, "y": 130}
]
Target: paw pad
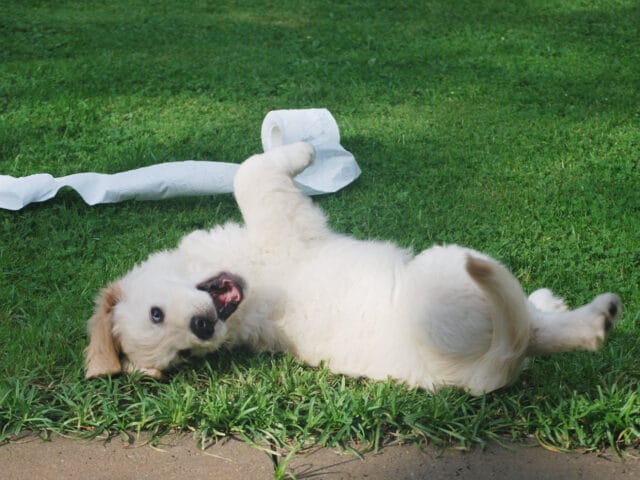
[
  {"x": 607, "y": 324},
  {"x": 611, "y": 309}
]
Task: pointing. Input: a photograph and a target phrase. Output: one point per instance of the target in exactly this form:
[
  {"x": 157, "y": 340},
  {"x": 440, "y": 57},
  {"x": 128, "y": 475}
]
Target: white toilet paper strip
[{"x": 333, "y": 169}]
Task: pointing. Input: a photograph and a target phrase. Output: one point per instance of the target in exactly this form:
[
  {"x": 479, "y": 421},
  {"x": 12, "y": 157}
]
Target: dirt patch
[{"x": 180, "y": 457}]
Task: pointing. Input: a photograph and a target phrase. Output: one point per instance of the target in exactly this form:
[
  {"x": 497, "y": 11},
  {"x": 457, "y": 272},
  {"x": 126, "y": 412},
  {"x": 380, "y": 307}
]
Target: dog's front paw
[
  {"x": 294, "y": 157},
  {"x": 131, "y": 369},
  {"x": 266, "y": 170}
]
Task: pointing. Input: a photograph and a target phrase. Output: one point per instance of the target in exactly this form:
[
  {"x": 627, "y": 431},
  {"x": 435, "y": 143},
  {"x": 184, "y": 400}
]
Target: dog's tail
[{"x": 510, "y": 316}]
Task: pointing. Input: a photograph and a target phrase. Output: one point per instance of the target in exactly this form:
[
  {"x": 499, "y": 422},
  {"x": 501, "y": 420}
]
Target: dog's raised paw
[{"x": 295, "y": 157}]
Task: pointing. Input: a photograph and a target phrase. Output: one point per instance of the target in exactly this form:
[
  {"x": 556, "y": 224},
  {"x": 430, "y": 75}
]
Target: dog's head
[{"x": 150, "y": 318}]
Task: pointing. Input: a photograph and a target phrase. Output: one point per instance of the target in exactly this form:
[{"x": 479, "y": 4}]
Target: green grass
[{"x": 510, "y": 127}]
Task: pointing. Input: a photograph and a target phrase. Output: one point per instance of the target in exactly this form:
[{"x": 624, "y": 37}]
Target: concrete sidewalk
[{"x": 179, "y": 457}]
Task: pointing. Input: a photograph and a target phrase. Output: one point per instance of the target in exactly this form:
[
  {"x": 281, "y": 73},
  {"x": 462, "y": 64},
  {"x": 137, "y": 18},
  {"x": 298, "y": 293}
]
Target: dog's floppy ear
[{"x": 101, "y": 356}]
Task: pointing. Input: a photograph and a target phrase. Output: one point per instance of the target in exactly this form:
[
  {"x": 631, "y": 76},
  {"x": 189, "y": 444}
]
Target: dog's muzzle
[{"x": 202, "y": 326}]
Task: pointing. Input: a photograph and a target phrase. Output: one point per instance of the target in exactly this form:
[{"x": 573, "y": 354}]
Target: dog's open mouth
[{"x": 226, "y": 291}]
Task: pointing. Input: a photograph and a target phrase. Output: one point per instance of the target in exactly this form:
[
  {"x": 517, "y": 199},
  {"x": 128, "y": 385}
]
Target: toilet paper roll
[
  {"x": 313, "y": 125},
  {"x": 333, "y": 169}
]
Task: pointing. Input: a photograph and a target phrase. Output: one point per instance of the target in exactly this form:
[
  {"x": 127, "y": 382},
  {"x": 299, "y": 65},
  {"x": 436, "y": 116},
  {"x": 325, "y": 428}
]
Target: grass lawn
[{"x": 510, "y": 127}]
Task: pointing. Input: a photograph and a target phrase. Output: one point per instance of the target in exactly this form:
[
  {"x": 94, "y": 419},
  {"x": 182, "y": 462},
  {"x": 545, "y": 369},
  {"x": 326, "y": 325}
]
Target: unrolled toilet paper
[{"x": 333, "y": 169}]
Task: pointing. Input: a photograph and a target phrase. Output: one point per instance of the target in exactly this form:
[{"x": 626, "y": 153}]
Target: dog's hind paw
[
  {"x": 606, "y": 309},
  {"x": 610, "y": 307}
]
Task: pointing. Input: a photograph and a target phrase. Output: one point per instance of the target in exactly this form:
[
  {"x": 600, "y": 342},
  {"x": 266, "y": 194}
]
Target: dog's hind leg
[
  {"x": 544, "y": 300},
  {"x": 274, "y": 209},
  {"x": 584, "y": 328}
]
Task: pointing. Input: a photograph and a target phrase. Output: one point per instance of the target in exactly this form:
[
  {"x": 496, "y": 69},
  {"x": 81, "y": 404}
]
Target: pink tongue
[
  {"x": 230, "y": 295},
  {"x": 226, "y": 294}
]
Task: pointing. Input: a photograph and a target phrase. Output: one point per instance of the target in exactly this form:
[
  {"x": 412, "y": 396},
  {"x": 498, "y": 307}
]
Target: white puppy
[{"x": 284, "y": 281}]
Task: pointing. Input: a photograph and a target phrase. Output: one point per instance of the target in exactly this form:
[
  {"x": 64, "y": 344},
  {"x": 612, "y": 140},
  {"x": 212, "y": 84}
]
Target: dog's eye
[{"x": 157, "y": 315}]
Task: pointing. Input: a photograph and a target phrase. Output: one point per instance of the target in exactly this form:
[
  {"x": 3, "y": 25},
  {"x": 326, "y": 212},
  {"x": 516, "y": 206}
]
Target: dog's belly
[
  {"x": 345, "y": 307},
  {"x": 372, "y": 309}
]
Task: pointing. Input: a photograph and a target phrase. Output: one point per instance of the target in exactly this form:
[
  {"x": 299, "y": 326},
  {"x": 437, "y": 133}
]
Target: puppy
[{"x": 285, "y": 282}]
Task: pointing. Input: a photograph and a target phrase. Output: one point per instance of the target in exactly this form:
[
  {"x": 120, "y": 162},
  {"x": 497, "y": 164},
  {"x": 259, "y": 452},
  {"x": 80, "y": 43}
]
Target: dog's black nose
[{"x": 202, "y": 327}]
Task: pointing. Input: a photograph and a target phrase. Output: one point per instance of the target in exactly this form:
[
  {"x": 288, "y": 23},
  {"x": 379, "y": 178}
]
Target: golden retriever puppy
[{"x": 285, "y": 282}]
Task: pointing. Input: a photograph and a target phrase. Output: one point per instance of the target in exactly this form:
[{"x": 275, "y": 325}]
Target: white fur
[{"x": 448, "y": 316}]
